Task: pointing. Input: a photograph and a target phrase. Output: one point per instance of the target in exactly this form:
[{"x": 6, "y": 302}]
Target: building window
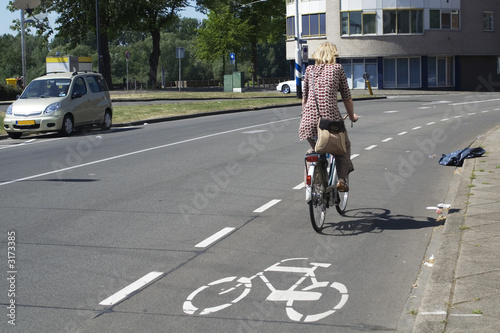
[
  {"x": 313, "y": 25},
  {"x": 403, "y": 21},
  {"x": 442, "y": 19},
  {"x": 488, "y": 21},
  {"x": 441, "y": 71},
  {"x": 357, "y": 23},
  {"x": 355, "y": 69},
  {"x": 290, "y": 27},
  {"x": 402, "y": 73},
  {"x": 369, "y": 23}
]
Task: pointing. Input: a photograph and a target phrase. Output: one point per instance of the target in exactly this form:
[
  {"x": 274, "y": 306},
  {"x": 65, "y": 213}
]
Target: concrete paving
[{"x": 463, "y": 291}]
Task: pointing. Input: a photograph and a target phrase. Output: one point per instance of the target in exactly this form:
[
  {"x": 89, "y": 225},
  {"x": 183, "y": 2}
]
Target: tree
[
  {"x": 153, "y": 16},
  {"x": 223, "y": 33},
  {"x": 266, "y": 22}
]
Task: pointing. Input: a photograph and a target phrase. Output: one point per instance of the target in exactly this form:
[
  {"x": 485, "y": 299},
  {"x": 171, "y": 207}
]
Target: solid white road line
[
  {"x": 137, "y": 285},
  {"x": 143, "y": 151},
  {"x": 267, "y": 206},
  {"x": 215, "y": 237}
]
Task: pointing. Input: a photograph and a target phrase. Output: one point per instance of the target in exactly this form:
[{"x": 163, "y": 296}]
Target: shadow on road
[{"x": 375, "y": 220}]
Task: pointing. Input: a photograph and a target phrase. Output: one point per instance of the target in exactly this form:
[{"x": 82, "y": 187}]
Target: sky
[{"x": 7, "y": 17}]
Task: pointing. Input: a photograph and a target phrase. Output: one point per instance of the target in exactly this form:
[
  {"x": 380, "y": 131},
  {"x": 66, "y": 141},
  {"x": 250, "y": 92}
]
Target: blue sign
[{"x": 232, "y": 57}]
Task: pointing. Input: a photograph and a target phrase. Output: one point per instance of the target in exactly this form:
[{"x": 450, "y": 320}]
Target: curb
[{"x": 438, "y": 293}]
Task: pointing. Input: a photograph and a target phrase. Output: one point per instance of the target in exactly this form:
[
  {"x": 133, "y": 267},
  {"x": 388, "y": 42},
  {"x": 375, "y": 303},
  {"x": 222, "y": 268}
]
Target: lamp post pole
[
  {"x": 98, "y": 36},
  {"x": 23, "y": 48},
  {"x": 298, "y": 57}
]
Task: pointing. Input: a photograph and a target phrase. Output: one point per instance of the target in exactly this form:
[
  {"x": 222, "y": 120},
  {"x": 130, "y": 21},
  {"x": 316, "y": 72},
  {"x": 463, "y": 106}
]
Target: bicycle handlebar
[{"x": 345, "y": 117}]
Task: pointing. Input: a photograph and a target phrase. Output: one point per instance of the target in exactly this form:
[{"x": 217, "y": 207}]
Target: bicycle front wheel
[{"x": 317, "y": 205}]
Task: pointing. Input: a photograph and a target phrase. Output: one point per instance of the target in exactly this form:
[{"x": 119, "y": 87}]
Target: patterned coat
[{"x": 329, "y": 79}]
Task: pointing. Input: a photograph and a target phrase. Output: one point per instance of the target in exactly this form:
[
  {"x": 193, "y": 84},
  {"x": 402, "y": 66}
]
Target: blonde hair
[{"x": 325, "y": 54}]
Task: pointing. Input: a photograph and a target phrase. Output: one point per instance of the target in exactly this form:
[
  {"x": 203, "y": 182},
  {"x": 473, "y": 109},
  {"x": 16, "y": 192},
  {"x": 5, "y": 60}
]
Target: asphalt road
[{"x": 169, "y": 210}]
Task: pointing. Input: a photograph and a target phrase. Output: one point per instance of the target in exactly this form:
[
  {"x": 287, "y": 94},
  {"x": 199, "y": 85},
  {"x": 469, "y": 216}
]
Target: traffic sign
[
  {"x": 232, "y": 58},
  {"x": 179, "y": 52}
]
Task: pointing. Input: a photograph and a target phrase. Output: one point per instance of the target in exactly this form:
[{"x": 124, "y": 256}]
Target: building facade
[{"x": 405, "y": 44}]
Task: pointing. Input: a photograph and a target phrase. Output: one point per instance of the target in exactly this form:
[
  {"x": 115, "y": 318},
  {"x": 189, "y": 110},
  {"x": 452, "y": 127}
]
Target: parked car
[
  {"x": 60, "y": 102},
  {"x": 287, "y": 87}
]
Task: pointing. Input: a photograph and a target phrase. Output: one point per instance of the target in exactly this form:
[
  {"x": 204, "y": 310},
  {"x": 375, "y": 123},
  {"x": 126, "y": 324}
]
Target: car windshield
[{"x": 47, "y": 88}]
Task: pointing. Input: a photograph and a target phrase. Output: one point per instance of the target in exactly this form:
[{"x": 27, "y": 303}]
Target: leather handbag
[{"x": 331, "y": 134}]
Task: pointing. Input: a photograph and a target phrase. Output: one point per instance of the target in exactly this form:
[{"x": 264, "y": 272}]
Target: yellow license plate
[{"x": 26, "y": 122}]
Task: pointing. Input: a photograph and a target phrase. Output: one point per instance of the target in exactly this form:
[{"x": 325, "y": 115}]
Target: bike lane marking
[
  {"x": 132, "y": 288},
  {"x": 215, "y": 237},
  {"x": 267, "y": 206}
]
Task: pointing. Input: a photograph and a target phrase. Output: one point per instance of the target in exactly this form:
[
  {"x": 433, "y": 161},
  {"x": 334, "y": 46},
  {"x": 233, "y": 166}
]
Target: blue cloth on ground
[{"x": 457, "y": 157}]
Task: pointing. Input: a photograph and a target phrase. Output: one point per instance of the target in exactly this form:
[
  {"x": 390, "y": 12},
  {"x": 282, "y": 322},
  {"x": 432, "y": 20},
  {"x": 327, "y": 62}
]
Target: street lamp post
[
  {"x": 23, "y": 5},
  {"x": 298, "y": 57},
  {"x": 98, "y": 37}
]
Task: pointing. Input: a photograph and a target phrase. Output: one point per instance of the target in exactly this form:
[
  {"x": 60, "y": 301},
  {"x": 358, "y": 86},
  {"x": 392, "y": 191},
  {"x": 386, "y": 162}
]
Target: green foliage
[
  {"x": 223, "y": 33},
  {"x": 8, "y": 93},
  {"x": 207, "y": 44}
]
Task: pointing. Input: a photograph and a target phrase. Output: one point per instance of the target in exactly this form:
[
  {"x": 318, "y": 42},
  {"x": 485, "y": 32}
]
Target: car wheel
[
  {"x": 15, "y": 135},
  {"x": 106, "y": 122},
  {"x": 67, "y": 126},
  {"x": 285, "y": 89}
]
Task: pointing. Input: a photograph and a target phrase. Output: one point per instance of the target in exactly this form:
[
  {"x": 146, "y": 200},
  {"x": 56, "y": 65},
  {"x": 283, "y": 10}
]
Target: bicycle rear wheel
[{"x": 317, "y": 205}]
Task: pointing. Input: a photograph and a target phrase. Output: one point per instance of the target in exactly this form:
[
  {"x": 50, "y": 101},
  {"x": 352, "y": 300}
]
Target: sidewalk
[{"x": 463, "y": 291}]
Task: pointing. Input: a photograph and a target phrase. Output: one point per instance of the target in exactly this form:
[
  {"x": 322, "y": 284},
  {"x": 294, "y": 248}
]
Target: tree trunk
[
  {"x": 154, "y": 58},
  {"x": 105, "y": 62},
  {"x": 253, "y": 60}
]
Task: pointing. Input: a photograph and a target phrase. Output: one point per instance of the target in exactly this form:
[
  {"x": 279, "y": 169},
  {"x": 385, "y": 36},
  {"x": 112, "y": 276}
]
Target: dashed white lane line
[
  {"x": 402, "y": 133},
  {"x": 267, "y": 206},
  {"x": 300, "y": 186},
  {"x": 370, "y": 147},
  {"x": 416, "y": 128},
  {"x": 215, "y": 237},
  {"x": 387, "y": 140},
  {"x": 431, "y": 123},
  {"x": 127, "y": 291}
]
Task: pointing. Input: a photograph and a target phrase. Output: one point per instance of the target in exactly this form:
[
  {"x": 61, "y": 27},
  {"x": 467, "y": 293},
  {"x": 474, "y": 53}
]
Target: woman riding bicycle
[{"x": 329, "y": 79}]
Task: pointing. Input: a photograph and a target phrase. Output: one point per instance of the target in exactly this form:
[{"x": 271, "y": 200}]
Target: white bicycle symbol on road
[{"x": 234, "y": 290}]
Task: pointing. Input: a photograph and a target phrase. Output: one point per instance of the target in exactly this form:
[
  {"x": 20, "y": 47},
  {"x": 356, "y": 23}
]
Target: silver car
[{"x": 60, "y": 102}]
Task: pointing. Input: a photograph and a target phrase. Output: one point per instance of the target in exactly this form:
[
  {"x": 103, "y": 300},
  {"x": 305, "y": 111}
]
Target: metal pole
[
  {"x": 23, "y": 49},
  {"x": 127, "y": 74},
  {"x": 98, "y": 37},
  {"x": 179, "y": 74},
  {"x": 298, "y": 58}
]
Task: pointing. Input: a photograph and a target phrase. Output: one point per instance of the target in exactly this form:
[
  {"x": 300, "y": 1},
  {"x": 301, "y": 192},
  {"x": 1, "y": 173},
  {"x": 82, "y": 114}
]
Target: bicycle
[
  {"x": 321, "y": 187},
  {"x": 239, "y": 288}
]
